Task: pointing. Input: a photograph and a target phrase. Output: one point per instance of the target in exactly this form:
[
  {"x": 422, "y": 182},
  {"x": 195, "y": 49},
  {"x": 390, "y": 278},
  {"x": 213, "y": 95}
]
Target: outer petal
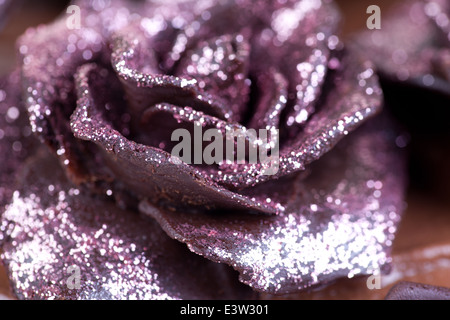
[
  {"x": 340, "y": 222},
  {"x": 53, "y": 233},
  {"x": 50, "y": 55}
]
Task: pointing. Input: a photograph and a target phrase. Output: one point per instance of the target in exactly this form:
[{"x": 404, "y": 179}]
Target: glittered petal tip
[
  {"x": 59, "y": 243},
  {"x": 216, "y": 18},
  {"x": 340, "y": 222},
  {"x": 161, "y": 176}
]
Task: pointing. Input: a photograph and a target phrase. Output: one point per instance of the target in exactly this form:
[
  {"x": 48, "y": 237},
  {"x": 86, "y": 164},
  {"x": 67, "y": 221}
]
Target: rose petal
[
  {"x": 53, "y": 232},
  {"x": 146, "y": 89},
  {"x": 353, "y": 97},
  {"x": 50, "y": 55},
  {"x": 272, "y": 98},
  {"x": 211, "y": 19},
  {"x": 309, "y": 25},
  {"x": 340, "y": 222},
  {"x": 412, "y": 64},
  {"x": 173, "y": 117},
  {"x": 161, "y": 177},
  {"x": 221, "y": 67},
  {"x": 47, "y": 73},
  {"x": 416, "y": 291}
]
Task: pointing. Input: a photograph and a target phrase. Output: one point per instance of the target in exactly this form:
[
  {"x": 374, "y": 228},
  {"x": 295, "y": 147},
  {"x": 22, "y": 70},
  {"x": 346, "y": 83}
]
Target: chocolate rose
[{"x": 107, "y": 97}]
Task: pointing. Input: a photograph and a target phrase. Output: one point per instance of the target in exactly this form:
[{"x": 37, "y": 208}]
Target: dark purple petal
[
  {"x": 410, "y": 54},
  {"x": 416, "y": 291},
  {"x": 52, "y": 231},
  {"x": 340, "y": 222},
  {"x": 47, "y": 73}
]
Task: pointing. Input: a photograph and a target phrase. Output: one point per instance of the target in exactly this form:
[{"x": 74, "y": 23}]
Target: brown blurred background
[{"x": 426, "y": 221}]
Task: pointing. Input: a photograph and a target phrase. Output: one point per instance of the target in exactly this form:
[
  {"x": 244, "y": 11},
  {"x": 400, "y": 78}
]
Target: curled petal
[
  {"x": 49, "y": 57},
  {"x": 146, "y": 89},
  {"x": 272, "y": 98},
  {"x": 309, "y": 25},
  {"x": 161, "y": 176},
  {"x": 221, "y": 66},
  {"x": 340, "y": 222},
  {"x": 353, "y": 96},
  {"x": 213, "y": 19},
  {"x": 46, "y": 79}
]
